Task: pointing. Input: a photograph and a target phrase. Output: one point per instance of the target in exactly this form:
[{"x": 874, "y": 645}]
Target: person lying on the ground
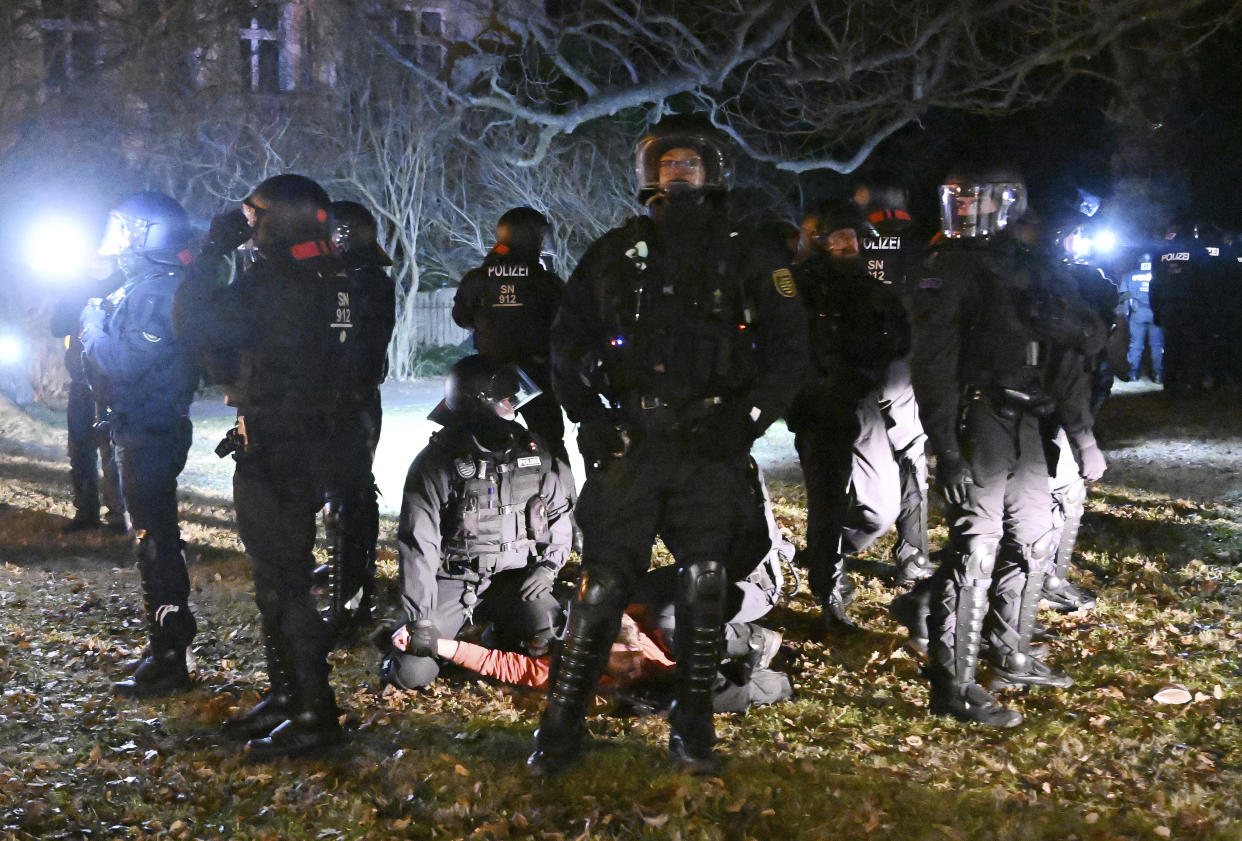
[{"x": 636, "y": 661}]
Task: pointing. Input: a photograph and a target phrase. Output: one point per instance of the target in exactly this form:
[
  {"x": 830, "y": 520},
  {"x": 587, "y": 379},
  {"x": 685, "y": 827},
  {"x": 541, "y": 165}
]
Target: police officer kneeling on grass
[
  {"x": 484, "y": 527},
  {"x": 679, "y": 340}
]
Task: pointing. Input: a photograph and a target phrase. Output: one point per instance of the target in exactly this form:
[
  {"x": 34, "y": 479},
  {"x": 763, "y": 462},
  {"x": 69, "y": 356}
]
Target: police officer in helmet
[
  {"x": 508, "y": 303},
  {"x": 351, "y": 510},
  {"x": 998, "y": 366},
  {"x": 680, "y": 339},
  {"x": 285, "y": 321},
  {"x": 484, "y": 527},
  {"x": 145, "y": 378}
]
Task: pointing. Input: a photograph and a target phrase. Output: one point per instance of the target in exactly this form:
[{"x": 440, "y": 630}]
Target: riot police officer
[
  {"x": 858, "y": 332},
  {"x": 351, "y": 510},
  {"x": 285, "y": 321},
  {"x": 146, "y": 377},
  {"x": 679, "y": 340},
  {"x": 998, "y": 365},
  {"x": 509, "y": 303},
  {"x": 484, "y": 526},
  {"x": 1178, "y": 295},
  {"x": 92, "y": 462}
]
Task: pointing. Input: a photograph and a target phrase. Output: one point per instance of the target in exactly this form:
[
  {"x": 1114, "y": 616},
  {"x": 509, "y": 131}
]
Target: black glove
[
  {"x": 423, "y": 638},
  {"x": 954, "y": 477},
  {"x": 722, "y": 434},
  {"x": 228, "y": 230},
  {"x": 1091, "y": 464},
  {"x": 601, "y": 440},
  {"x": 538, "y": 582}
]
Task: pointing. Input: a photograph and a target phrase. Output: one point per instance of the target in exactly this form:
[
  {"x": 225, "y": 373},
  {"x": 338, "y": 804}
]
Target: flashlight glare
[
  {"x": 10, "y": 350},
  {"x": 1105, "y": 241},
  {"x": 58, "y": 247}
]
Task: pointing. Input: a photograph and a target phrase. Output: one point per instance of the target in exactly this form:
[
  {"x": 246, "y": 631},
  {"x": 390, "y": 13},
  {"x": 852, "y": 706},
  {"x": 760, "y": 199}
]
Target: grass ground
[{"x": 855, "y": 755}]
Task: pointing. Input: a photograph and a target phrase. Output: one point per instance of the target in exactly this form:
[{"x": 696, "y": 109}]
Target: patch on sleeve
[
  {"x": 784, "y": 281},
  {"x": 931, "y": 283},
  {"x": 151, "y": 337},
  {"x": 465, "y": 468}
]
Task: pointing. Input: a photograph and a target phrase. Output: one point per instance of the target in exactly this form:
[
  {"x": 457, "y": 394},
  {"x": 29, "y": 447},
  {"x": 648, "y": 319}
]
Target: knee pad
[
  {"x": 603, "y": 587},
  {"x": 406, "y": 672},
  {"x": 977, "y": 564},
  {"x": 702, "y": 582}
]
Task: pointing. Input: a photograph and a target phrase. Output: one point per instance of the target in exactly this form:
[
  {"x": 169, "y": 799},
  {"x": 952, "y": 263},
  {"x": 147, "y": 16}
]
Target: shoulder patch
[
  {"x": 151, "y": 337},
  {"x": 465, "y": 467},
  {"x": 784, "y": 281},
  {"x": 931, "y": 283}
]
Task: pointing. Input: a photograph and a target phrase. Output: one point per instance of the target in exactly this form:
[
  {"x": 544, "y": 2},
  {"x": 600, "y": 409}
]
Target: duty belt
[{"x": 1011, "y": 402}]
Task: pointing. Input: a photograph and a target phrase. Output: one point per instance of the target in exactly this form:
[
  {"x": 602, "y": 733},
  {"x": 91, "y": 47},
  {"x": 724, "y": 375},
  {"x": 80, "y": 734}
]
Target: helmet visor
[
  {"x": 509, "y": 389},
  {"x": 979, "y": 210},
  {"x": 707, "y": 160},
  {"x": 119, "y": 236}
]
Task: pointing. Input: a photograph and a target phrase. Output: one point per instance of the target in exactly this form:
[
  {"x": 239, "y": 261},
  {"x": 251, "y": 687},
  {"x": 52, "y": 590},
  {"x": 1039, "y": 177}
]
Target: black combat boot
[
  {"x": 313, "y": 729},
  {"x": 911, "y": 610},
  {"x": 594, "y": 620},
  {"x": 162, "y": 672},
  {"x": 700, "y": 617},
  {"x": 912, "y": 564},
  {"x": 1061, "y": 594},
  {"x": 831, "y": 583},
  {"x": 954, "y": 691},
  {"x": 85, "y": 505},
  {"x": 276, "y": 706},
  {"x": 1021, "y": 666}
]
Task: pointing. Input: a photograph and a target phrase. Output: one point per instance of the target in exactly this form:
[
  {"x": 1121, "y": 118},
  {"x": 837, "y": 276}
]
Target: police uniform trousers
[
  {"x": 1069, "y": 498},
  {"x": 1143, "y": 332},
  {"x": 495, "y": 600},
  {"x": 909, "y": 444},
  {"x": 149, "y": 461},
  {"x": 705, "y": 508},
  {"x": 353, "y": 503},
  {"x": 745, "y": 602},
  {"x": 1001, "y": 533},
  {"x": 88, "y": 453},
  {"x": 853, "y": 487},
  {"x": 278, "y": 489}
]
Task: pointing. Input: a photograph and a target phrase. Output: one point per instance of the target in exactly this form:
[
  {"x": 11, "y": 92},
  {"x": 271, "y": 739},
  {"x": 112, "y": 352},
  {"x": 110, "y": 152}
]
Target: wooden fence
[{"x": 433, "y": 319}]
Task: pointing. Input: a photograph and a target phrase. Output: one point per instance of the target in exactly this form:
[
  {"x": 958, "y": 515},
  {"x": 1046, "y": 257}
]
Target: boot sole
[{"x": 128, "y": 689}]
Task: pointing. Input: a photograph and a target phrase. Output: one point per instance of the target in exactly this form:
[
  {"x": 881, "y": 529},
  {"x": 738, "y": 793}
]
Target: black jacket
[
  {"x": 509, "y": 303},
  {"x": 137, "y": 366},
  {"x": 639, "y": 327},
  {"x": 286, "y": 323},
  {"x": 992, "y": 314}
]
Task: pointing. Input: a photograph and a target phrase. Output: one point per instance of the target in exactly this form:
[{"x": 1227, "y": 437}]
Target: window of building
[
  {"x": 260, "y": 49},
  {"x": 70, "y": 38},
  {"x": 420, "y": 37}
]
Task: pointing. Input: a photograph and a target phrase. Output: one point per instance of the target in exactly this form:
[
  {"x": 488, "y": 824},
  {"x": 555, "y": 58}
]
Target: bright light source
[
  {"x": 10, "y": 350},
  {"x": 1104, "y": 241},
  {"x": 58, "y": 248}
]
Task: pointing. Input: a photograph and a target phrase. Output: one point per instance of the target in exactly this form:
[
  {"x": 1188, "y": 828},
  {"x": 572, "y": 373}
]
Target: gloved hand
[
  {"x": 954, "y": 477},
  {"x": 600, "y": 440},
  {"x": 417, "y": 638},
  {"x": 1091, "y": 463},
  {"x": 93, "y": 315},
  {"x": 228, "y": 230},
  {"x": 729, "y": 432},
  {"x": 538, "y": 582}
]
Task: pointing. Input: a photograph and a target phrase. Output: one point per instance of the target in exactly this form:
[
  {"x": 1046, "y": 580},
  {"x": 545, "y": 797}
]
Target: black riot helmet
[
  {"x": 354, "y": 231},
  {"x": 478, "y": 392},
  {"x": 692, "y": 132},
  {"x": 521, "y": 230},
  {"x": 978, "y": 201},
  {"x": 287, "y": 210},
  {"x": 146, "y": 225},
  {"x": 886, "y": 205}
]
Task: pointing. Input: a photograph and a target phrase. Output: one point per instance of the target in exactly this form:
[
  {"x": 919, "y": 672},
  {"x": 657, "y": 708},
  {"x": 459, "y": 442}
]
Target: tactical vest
[
  {"x": 495, "y": 518},
  {"x": 677, "y": 345}
]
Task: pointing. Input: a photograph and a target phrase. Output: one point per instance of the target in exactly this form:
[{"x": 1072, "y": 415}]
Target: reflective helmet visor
[{"x": 980, "y": 210}]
